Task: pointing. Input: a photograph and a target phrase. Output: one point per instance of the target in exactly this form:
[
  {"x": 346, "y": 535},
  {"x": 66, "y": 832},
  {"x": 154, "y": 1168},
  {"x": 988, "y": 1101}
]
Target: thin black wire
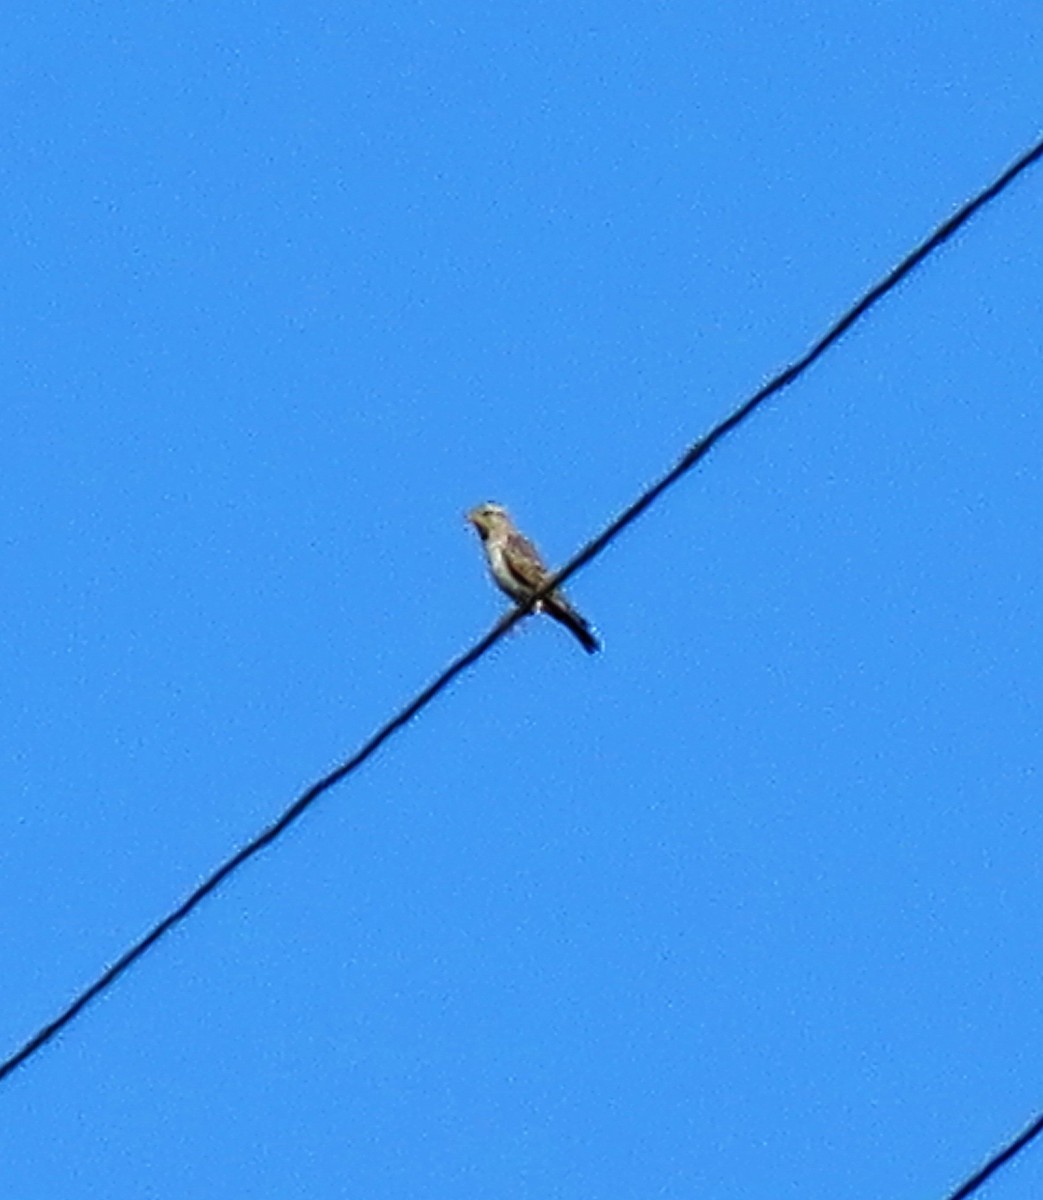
[
  {"x": 593, "y": 548},
  {"x": 999, "y": 1159}
]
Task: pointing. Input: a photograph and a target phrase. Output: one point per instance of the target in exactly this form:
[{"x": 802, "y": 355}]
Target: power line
[
  {"x": 593, "y": 548},
  {"x": 999, "y": 1159}
]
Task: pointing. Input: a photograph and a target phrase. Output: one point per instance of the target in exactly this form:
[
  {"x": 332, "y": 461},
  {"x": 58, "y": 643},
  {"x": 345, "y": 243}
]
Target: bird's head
[{"x": 488, "y": 517}]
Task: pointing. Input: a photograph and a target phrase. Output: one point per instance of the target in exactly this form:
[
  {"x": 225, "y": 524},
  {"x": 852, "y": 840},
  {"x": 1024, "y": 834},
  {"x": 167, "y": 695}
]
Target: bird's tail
[{"x": 560, "y": 609}]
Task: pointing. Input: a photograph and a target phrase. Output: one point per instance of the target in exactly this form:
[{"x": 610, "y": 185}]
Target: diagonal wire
[
  {"x": 593, "y": 548},
  {"x": 999, "y": 1159}
]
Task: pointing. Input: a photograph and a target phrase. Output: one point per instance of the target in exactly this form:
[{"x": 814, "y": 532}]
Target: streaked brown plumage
[{"x": 516, "y": 566}]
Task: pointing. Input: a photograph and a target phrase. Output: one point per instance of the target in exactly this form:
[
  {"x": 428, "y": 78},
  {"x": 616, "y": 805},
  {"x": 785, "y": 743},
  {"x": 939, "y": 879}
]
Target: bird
[{"x": 517, "y": 568}]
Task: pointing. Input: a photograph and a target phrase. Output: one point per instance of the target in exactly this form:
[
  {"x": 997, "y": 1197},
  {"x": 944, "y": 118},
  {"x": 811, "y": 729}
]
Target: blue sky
[{"x": 746, "y": 906}]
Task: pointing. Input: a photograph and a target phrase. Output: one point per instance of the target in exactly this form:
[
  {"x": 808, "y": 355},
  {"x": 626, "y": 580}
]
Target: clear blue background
[{"x": 748, "y": 906}]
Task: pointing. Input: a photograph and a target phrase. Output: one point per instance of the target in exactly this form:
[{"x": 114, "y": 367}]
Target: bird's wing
[{"x": 524, "y": 562}]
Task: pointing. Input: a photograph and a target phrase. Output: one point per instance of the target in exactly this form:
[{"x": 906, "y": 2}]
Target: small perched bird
[{"x": 517, "y": 567}]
